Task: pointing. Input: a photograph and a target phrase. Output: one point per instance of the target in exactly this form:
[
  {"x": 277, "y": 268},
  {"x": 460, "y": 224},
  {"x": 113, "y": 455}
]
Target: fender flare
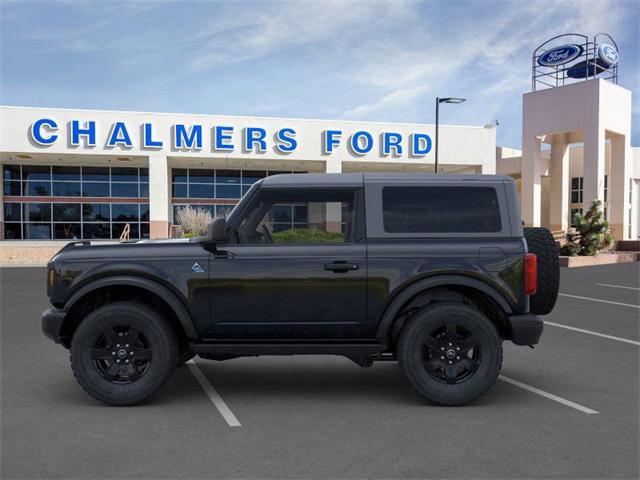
[
  {"x": 181, "y": 312},
  {"x": 393, "y": 308}
]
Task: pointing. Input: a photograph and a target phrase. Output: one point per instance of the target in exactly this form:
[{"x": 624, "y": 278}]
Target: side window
[
  {"x": 440, "y": 210},
  {"x": 300, "y": 217}
]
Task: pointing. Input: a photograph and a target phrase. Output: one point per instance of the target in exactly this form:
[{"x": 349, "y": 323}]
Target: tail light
[{"x": 530, "y": 273}]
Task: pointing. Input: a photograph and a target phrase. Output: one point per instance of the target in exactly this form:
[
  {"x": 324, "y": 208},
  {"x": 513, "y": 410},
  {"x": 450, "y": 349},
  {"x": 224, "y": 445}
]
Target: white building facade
[{"x": 86, "y": 174}]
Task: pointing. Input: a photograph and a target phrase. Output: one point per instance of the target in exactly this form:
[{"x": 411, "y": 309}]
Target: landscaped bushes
[
  {"x": 299, "y": 235},
  {"x": 592, "y": 233},
  {"x": 194, "y": 221}
]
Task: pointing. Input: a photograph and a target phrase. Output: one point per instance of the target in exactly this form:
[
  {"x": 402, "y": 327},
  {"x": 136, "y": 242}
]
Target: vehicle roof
[{"x": 358, "y": 179}]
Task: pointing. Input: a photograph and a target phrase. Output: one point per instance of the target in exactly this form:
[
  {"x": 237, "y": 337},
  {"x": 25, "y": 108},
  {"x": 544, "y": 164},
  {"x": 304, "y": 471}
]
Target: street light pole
[
  {"x": 438, "y": 102},
  {"x": 437, "y": 128}
]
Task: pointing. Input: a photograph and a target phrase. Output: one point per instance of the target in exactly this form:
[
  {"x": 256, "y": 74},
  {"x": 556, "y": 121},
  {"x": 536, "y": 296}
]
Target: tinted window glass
[
  {"x": 96, "y": 230},
  {"x": 144, "y": 174},
  {"x": 95, "y": 189},
  {"x": 37, "y": 189},
  {"x": 98, "y": 174},
  {"x": 12, "y": 189},
  {"x": 124, "y": 189},
  {"x": 36, "y": 172},
  {"x": 117, "y": 228},
  {"x": 144, "y": 190},
  {"x": 12, "y": 212},
  {"x": 96, "y": 212},
  {"x": 179, "y": 190},
  {"x": 227, "y": 191},
  {"x": 12, "y": 231},
  {"x": 66, "y": 212},
  {"x": 227, "y": 176},
  {"x": 67, "y": 230},
  {"x": 124, "y": 212},
  {"x": 37, "y": 231},
  {"x": 124, "y": 174},
  {"x": 440, "y": 209},
  {"x": 200, "y": 191},
  {"x": 66, "y": 189},
  {"x": 144, "y": 212},
  {"x": 37, "y": 212},
  {"x": 11, "y": 172},
  {"x": 66, "y": 173},
  {"x": 179, "y": 174},
  {"x": 201, "y": 175}
]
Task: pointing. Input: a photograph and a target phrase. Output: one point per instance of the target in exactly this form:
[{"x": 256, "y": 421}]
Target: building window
[
  {"x": 573, "y": 212},
  {"x": 576, "y": 189},
  {"x": 200, "y": 185},
  {"x": 63, "y": 213}
]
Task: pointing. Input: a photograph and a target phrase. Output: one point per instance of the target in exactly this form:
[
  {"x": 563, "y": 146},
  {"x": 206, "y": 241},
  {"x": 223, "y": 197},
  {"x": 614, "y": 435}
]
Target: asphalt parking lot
[{"x": 567, "y": 409}]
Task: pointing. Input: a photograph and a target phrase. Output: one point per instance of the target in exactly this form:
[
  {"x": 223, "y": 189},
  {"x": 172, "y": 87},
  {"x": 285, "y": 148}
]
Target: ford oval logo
[
  {"x": 560, "y": 55},
  {"x": 608, "y": 54}
]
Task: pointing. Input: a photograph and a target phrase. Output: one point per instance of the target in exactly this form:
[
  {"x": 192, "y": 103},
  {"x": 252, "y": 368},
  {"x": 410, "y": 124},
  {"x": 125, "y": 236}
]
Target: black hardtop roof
[{"x": 358, "y": 179}]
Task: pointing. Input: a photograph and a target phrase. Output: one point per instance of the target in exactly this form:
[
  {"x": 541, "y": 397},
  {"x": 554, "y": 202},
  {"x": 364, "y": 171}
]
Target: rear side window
[{"x": 440, "y": 210}]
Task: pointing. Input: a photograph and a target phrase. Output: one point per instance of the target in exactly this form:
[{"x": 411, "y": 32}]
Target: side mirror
[{"x": 217, "y": 230}]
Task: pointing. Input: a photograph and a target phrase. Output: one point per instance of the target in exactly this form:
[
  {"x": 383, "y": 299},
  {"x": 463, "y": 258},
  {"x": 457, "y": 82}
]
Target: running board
[{"x": 246, "y": 349}]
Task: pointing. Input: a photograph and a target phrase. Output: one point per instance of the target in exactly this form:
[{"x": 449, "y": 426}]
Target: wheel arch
[
  {"x": 443, "y": 287},
  {"x": 120, "y": 287}
]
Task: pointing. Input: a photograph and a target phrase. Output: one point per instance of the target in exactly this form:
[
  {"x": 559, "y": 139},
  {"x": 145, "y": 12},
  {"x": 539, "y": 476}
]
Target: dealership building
[{"x": 89, "y": 174}]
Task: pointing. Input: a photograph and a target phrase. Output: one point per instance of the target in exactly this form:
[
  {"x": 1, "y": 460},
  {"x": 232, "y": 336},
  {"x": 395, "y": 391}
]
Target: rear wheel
[
  {"x": 450, "y": 352},
  {"x": 123, "y": 352}
]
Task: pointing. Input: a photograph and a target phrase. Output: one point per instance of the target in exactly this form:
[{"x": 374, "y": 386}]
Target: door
[{"x": 297, "y": 271}]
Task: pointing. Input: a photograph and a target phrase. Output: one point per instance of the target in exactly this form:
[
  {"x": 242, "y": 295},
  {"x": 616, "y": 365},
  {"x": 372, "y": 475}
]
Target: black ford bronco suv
[{"x": 434, "y": 271}]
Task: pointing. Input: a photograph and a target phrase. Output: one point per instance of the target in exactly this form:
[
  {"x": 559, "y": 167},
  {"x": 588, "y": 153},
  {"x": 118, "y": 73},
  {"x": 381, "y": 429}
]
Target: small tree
[
  {"x": 194, "y": 221},
  {"x": 592, "y": 233}
]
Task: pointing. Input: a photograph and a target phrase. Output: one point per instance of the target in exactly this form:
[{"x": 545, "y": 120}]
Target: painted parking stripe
[
  {"x": 215, "y": 398},
  {"x": 581, "y": 330},
  {"x": 616, "y": 286},
  {"x": 599, "y": 300},
  {"x": 550, "y": 396}
]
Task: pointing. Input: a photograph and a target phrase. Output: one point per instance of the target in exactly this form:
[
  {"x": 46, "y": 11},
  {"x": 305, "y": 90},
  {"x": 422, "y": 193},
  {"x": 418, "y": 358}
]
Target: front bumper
[
  {"x": 526, "y": 329},
  {"x": 52, "y": 319}
]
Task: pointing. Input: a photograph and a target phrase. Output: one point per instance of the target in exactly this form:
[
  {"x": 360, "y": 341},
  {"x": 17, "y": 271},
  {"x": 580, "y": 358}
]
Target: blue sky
[{"x": 367, "y": 60}]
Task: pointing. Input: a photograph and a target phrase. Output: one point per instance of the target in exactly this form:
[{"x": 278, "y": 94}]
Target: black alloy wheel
[
  {"x": 121, "y": 354},
  {"x": 451, "y": 354}
]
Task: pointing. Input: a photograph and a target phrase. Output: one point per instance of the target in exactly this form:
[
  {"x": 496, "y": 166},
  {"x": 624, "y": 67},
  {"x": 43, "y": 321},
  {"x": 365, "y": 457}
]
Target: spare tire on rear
[{"x": 541, "y": 242}]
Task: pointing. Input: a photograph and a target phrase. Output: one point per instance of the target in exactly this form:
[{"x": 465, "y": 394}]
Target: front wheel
[
  {"x": 450, "y": 352},
  {"x": 123, "y": 352}
]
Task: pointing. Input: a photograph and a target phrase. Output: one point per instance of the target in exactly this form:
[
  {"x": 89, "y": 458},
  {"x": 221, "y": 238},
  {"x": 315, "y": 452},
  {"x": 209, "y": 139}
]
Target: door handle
[{"x": 341, "y": 266}]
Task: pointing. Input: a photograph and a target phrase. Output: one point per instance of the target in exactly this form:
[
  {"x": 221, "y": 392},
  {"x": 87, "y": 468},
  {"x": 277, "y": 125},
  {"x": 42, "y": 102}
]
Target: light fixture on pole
[{"x": 438, "y": 102}]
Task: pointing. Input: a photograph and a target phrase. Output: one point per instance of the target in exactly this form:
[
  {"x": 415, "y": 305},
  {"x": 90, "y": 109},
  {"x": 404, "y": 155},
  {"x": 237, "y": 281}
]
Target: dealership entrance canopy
[{"x": 87, "y": 174}]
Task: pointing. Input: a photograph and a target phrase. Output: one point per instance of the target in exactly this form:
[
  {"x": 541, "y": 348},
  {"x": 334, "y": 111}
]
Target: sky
[{"x": 352, "y": 60}]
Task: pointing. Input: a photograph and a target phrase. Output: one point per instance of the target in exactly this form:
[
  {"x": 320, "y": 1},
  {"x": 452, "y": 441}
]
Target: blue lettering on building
[
  {"x": 361, "y": 142},
  {"x": 37, "y": 134},
  {"x": 390, "y": 141},
  {"x": 255, "y": 136},
  {"x": 187, "y": 138},
  {"x": 89, "y": 132},
  {"x": 420, "y": 144},
  {"x": 330, "y": 139},
  {"x": 119, "y": 136},
  {"x": 147, "y": 137},
  {"x": 286, "y": 141},
  {"x": 222, "y": 137}
]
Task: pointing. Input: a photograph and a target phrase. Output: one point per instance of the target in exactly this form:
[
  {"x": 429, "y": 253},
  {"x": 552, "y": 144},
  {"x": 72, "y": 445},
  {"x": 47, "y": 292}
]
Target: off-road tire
[
  {"x": 541, "y": 242},
  {"x": 411, "y": 352},
  {"x": 162, "y": 350}
]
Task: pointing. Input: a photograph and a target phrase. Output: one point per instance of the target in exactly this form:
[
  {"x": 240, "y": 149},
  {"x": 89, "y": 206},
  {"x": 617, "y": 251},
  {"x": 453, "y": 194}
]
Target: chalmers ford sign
[{"x": 45, "y": 132}]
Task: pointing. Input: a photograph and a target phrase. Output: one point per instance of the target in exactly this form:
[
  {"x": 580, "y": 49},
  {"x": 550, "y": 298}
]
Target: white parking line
[
  {"x": 610, "y": 337},
  {"x": 599, "y": 300},
  {"x": 548, "y": 395},
  {"x": 215, "y": 398},
  {"x": 616, "y": 286}
]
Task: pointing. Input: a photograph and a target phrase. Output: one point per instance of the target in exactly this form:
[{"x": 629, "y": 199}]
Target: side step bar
[{"x": 247, "y": 349}]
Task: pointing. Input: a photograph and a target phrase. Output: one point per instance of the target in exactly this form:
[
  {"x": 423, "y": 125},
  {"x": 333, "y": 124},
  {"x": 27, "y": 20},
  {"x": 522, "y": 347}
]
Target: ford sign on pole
[
  {"x": 608, "y": 54},
  {"x": 560, "y": 55}
]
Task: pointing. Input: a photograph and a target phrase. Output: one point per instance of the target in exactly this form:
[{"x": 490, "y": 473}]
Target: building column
[
  {"x": 593, "y": 164},
  {"x": 159, "y": 198},
  {"x": 559, "y": 168},
  {"x": 531, "y": 181},
  {"x": 334, "y": 209},
  {"x": 619, "y": 186}
]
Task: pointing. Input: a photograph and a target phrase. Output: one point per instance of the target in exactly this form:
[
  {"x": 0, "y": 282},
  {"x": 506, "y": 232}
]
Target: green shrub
[
  {"x": 592, "y": 233},
  {"x": 299, "y": 235}
]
